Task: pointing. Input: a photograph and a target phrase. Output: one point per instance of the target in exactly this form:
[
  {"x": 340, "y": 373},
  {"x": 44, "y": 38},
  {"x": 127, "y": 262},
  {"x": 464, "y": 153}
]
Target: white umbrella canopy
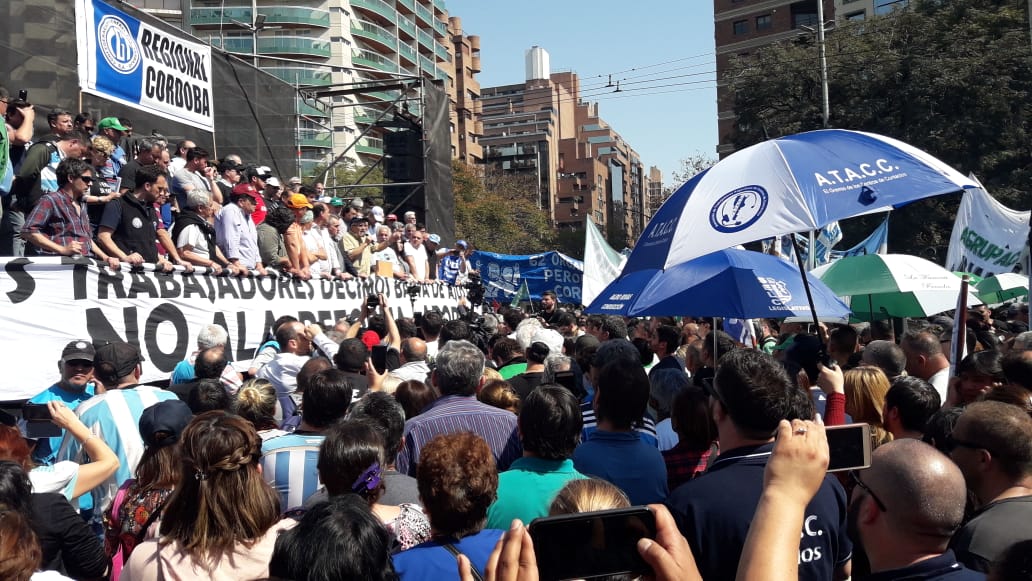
[
  {"x": 877, "y": 286},
  {"x": 1002, "y": 287}
]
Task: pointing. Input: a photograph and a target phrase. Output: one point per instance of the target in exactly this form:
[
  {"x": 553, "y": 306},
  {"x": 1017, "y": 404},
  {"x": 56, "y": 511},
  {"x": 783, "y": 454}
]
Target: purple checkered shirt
[
  {"x": 453, "y": 414},
  {"x": 55, "y": 217}
]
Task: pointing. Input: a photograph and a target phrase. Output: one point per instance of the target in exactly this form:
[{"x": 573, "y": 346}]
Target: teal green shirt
[{"x": 527, "y": 489}]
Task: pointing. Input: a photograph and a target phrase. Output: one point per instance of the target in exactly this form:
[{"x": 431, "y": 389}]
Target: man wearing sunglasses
[
  {"x": 59, "y": 224},
  {"x": 903, "y": 511},
  {"x": 992, "y": 445}
]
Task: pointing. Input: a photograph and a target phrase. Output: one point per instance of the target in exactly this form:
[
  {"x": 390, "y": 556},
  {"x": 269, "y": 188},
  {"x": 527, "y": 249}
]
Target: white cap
[
  {"x": 549, "y": 337},
  {"x": 274, "y": 182}
]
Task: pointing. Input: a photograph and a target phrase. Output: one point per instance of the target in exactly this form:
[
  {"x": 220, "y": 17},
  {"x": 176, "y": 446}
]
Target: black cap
[
  {"x": 115, "y": 360},
  {"x": 161, "y": 423},
  {"x": 78, "y": 350}
]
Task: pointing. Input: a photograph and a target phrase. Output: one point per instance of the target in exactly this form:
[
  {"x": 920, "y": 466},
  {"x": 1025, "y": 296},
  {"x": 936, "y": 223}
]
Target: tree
[
  {"x": 498, "y": 212},
  {"x": 689, "y": 166},
  {"x": 951, "y": 78}
]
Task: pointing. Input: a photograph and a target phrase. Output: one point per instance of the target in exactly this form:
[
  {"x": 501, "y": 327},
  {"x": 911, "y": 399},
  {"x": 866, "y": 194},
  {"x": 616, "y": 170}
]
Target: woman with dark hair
[
  {"x": 20, "y": 554},
  {"x": 336, "y": 540},
  {"x": 136, "y": 509},
  {"x": 66, "y": 541},
  {"x": 458, "y": 481},
  {"x": 697, "y": 436},
  {"x": 222, "y": 520},
  {"x": 351, "y": 460},
  {"x": 414, "y": 396},
  {"x": 976, "y": 375}
]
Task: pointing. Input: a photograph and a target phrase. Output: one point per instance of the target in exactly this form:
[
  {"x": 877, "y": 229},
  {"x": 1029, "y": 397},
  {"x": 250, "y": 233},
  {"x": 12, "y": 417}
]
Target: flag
[
  {"x": 523, "y": 294},
  {"x": 602, "y": 264},
  {"x": 741, "y": 330}
]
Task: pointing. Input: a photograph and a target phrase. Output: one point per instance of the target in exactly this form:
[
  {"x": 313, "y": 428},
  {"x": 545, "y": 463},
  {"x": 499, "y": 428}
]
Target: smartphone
[
  {"x": 23, "y": 95},
  {"x": 566, "y": 379},
  {"x": 372, "y": 301},
  {"x": 849, "y": 447},
  {"x": 379, "y": 357},
  {"x": 38, "y": 422},
  {"x": 592, "y": 544}
]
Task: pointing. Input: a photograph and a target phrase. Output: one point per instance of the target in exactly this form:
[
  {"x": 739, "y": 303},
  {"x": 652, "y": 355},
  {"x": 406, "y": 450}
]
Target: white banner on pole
[
  {"x": 988, "y": 238},
  {"x": 127, "y": 60},
  {"x": 602, "y": 264},
  {"x": 45, "y": 303}
]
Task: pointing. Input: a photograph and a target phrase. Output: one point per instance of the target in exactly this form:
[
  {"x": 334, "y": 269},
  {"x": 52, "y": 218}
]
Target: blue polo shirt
[
  {"x": 527, "y": 489},
  {"x": 46, "y": 450},
  {"x": 945, "y": 566},
  {"x": 430, "y": 561},
  {"x": 623, "y": 459},
  {"x": 714, "y": 511}
]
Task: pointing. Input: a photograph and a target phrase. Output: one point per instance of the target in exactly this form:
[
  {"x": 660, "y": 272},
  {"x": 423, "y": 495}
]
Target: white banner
[
  {"x": 127, "y": 60},
  {"x": 47, "y": 302},
  {"x": 602, "y": 264},
  {"x": 988, "y": 238}
]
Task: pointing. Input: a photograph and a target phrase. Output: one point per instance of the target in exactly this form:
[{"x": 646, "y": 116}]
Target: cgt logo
[
  {"x": 737, "y": 210},
  {"x": 117, "y": 44},
  {"x": 776, "y": 289}
]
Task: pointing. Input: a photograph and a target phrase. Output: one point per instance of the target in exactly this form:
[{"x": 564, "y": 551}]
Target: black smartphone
[
  {"x": 592, "y": 544},
  {"x": 38, "y": 422},
  {"x": 23, "y": 95},
  {"x": 379, "y": 357},
  {"x": 566, "y": 379},
  {"x": 373, "y": 301},
  {"x": 849, "y": 447}
]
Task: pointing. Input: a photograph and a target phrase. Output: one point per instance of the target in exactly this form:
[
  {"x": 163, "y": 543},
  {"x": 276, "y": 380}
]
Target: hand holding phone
[
  {"x": 592, "y": 544},
  {"x": 849, "y": 447},
  {"x": 799, "y": 461}
]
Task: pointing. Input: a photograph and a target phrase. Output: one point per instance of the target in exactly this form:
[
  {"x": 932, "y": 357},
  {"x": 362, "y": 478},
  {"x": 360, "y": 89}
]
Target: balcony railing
[
  {"x": 440, "y": 28},
  {"x": 370, "y": 146},
  {"x": 408, "y": 51},
  {"x": 441, "y": 51},
  {"x": 378, "y": 6},
  {"x": 410, "y": 4},
  {"x": 293, "y": 45},
  {"x": 372, "y": 60},
  {"x": 426, "y": 39},
  {"x": 280, "y": 15},
  {"x": 302, "y": 75},
  {"x": 315, "y": 138},
  {"x": 370, "y": 31},
  {"x": 425, "y": 14},
  {"x": 427, "y": 66},
  {"x": 407, "y": 25}
]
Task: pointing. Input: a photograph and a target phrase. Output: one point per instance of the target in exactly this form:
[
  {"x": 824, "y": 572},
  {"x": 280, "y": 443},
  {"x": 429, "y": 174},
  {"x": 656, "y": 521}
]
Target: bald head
[
  {"x": 413, "y": 349},
  {"x": 923, "y": 490}
]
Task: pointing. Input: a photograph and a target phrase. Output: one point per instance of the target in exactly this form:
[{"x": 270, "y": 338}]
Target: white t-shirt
[
  {"x": 59, "y": 477},
  {"x": 420, "y": 258},
  {"x": 314, "y": 243},
  {"x": 193, "y": 237},
  {"x": 389, "y": 255}
]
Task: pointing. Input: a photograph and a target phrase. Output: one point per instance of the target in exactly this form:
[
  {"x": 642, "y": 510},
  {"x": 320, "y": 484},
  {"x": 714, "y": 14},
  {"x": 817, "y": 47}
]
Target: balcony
[
  {"x": 278, "y": 15},
  {"x": 388, "y": 96},
  {"x": 306, "y": 109},
  {"x": 375, "y": 33},
  {"x": 408, "y": 5},
  {"x": 440, "y": 28},
  {"x": 370, "y": 146},
  {"x": 407, "y": 26},
  {"x": 408, "y": 52},
  {"x": 377, "y": 7},
  {"x": 315, "y": 138},
  {"x": 294, "y": 45},
  {"x": 302, "y": 75},
  {"x": 410, "y": 71},
  {"x": 427, "y": 65},
  {"x": 366, "y": 115},
  {"x": 369, "y": 59},
  {"x": 426, "y": 40},
  {"x": 424, "y": 14},
  {"x": 235, "y": 44},
  {"x": 442, "y": 52},
  {"x": 309, "y": 165}
]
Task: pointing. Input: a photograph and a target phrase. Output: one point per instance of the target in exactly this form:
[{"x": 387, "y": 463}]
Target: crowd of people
[
  {"x": 94, "y": 189},
  {"x": 314, "y": 462}
]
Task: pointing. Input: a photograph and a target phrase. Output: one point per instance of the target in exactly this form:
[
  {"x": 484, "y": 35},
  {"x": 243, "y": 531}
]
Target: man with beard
[
  {"x": 74, "y": 387},
  {"x": 749, "y": 395},
  {"x": 903, "y": 510}
]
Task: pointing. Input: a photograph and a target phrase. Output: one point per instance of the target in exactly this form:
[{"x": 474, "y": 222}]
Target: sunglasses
[
  {"x": 954, "y": 443},
  {"x": 86, "y": 179},
  {"x": 856, "y": 478}
]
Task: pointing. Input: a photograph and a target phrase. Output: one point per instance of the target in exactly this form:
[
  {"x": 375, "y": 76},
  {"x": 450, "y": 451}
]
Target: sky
[{"x": 661, "y": 51}]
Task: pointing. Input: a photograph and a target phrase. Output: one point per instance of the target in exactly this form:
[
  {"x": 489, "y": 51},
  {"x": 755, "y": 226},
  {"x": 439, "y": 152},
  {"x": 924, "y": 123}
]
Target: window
[
  {"x": 856, "y": 16},
  {"x": 740, "y": 27},
  {"x": 763, "y": 22},
  {"x": 887, "y": 6}
]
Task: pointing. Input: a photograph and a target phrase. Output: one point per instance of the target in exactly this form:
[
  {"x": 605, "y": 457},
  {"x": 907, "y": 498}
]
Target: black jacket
[{"x": 69, "y": 546}]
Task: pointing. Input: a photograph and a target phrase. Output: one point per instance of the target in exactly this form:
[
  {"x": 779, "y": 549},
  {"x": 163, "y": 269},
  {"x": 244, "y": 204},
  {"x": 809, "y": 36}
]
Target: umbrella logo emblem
[
  {"x": 776, "y": 289},
  {"x": 737, "y": 210}
]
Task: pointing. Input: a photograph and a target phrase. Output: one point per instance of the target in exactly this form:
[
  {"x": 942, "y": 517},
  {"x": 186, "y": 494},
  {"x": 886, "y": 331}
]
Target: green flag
[{"x": 523, "y": 294}]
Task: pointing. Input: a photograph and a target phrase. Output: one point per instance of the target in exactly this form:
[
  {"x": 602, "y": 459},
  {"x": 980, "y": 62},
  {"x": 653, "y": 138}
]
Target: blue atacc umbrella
[
  {"x": 727, "y": 283},
  {"x": 790, "y": 184}
]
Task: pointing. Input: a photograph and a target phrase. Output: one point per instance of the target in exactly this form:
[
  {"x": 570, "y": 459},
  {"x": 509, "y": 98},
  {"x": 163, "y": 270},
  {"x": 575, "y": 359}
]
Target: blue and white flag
[
  {"x": 126, "y": 60},
  {"x": 876, "y": 243}
]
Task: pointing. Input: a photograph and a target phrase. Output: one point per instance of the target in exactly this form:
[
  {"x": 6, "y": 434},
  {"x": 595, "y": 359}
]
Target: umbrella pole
[
  {"x": 806, "y": 282},
  {"x": 870, "y": 309}
]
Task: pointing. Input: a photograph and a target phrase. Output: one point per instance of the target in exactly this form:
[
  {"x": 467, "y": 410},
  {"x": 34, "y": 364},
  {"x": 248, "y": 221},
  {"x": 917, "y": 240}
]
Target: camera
[
  {"x": 372, "y": 301},
  {"x": 413, "y": 291},
  {"x": 474, "y": 289},
  {"x": 23, "y": 95}
]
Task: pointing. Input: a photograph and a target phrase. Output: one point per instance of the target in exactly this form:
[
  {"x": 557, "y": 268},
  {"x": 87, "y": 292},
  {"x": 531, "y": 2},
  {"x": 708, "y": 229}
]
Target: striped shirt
[
  {"x": 114, "y": 417},
  {"x": 289, "y": 463},
  {"x": 452, "y": 414},
  {"x": 646, "y": 428}
]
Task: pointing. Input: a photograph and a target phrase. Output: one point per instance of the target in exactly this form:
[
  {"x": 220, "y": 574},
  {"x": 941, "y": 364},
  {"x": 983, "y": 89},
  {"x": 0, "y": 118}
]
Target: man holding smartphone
[{"x": 75, "y": 386}]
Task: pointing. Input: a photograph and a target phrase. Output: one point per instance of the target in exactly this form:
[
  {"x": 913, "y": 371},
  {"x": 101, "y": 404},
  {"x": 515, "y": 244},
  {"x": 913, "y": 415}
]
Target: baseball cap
[
  {"x": 227, "y": 165},
  {"x": 434, "y": 238},
  {"x": 115, "y": 360},
  {"x": 264, "y": 171},
  {"x": 462, "y": 244},
  {"x": 110, "y": 123},
  {"x": 274, "y": 182},
  {"x": 357, "y": 220},
  {"x": 370, "y": 339},
  {"x": 244, "y": 190},
  {"x": 78, "y": 350},
  {"x": 336, "y": 202},
  {"x": 161, "y": 423},
  {"x": 377, "y": 213},
  {"x": 298, "y": 201},
  {"x": 294, "y": 181},
  {"x": 392, "y": 217},
  {"x": 551, "y": 338},
  {"x": 357, "y": 203}
]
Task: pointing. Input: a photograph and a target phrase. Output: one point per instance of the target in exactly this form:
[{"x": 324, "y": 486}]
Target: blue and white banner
[
  {"x": 602, "y": 264},
  {"x": 127, "y": 60},
  {"x": 876, "y": 243},
  {"x": 504, "y": 273}
]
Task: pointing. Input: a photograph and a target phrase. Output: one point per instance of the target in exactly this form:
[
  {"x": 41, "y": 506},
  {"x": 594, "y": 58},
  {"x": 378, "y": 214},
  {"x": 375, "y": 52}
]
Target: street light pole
[{"x": 822, "y": 55}]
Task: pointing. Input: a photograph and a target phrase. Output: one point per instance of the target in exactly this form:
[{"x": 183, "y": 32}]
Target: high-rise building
[
  {"x": 656, "y": 195},
  {"x": 466, "y": 108},
  {"x": 342, "y": 43},
  {"x": 581, "y": 166}
]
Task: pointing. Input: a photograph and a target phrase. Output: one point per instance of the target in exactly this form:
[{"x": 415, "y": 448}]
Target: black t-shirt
[
  {"x": 525, "y": 383},
  {"x": 134, "y": 225},
  {"x": 128, "y": 174}
]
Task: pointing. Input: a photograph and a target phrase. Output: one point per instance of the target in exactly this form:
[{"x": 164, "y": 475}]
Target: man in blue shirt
[
  {"x": 749, "y": 395},
  {"x": 453, "y": 263},
  {"x": 74, "y": 387}
]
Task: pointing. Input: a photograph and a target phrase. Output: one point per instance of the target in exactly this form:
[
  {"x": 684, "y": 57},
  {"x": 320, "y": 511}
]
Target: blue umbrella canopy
[{"x": 728, "y": 283}]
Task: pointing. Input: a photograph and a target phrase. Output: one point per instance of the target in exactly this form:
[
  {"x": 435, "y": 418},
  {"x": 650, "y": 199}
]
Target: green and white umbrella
[
  {"x": 877, "y": 286},
  {"x": 1002, "y": 287}
]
